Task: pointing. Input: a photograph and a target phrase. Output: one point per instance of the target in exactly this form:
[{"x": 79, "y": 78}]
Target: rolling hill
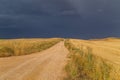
[{"x": 102, "y": 56}]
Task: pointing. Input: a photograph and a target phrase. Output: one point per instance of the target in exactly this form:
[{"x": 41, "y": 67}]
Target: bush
[{"x": 5, "y": 51}]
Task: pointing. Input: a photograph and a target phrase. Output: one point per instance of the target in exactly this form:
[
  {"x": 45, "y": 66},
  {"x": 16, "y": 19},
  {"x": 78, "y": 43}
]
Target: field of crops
[
  {"x": 106, "y": 51},
  {"x": 16, "y": 47}
]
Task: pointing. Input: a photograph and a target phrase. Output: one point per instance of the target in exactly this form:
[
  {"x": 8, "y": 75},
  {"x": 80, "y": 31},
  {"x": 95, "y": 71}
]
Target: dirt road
[{"x": 45, "y": 65}]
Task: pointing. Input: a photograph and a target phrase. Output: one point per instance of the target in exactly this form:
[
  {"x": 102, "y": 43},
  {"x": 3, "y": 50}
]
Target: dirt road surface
[{"x": 45, "y": 65}]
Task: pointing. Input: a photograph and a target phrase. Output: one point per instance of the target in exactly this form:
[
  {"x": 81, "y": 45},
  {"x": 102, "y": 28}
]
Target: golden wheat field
[
  {"x": 108, "y": 49},
  {"x": 95, "y": 59},
  {"x": 15, "y": 47}
]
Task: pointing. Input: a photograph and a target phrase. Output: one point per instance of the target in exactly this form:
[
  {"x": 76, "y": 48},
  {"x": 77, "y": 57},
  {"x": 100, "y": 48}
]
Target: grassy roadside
[
  {"x": 83, "y": 65},
  {"x": 18, "y": 47}
]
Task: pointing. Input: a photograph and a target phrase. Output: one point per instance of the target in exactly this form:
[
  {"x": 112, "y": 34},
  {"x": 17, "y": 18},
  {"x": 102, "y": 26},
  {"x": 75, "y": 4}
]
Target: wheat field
[
  {"x": 107, "y": 49},
  {"x": 16, "y": 47}
]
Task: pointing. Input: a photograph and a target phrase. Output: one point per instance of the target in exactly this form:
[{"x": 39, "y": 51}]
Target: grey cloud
[
  {"x": 60, "y": 18},
  {"x": 19, "y": 13},
  {"x": 34, "y": 7}
]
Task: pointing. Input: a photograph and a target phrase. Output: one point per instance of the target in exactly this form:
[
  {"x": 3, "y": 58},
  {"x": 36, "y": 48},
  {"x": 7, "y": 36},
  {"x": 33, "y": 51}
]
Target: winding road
[{"x": 46, "y": 65}]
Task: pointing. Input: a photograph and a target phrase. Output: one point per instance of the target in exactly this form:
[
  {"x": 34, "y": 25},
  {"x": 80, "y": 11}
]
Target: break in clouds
[{"x": 59, "y": 18}]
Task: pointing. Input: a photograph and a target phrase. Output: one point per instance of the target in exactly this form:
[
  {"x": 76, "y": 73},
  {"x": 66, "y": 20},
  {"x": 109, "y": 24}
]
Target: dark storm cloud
[
  {"x": 34, "y": 7},
  {"x": 59, "y": 18}
]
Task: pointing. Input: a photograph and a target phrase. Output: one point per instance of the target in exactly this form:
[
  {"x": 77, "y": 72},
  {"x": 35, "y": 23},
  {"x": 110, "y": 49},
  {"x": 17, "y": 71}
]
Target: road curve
[{"x": 45, "y": 65}]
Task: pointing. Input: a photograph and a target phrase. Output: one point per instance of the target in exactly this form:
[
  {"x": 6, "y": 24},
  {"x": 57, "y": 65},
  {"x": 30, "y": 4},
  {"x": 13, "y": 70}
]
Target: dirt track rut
[{"x": 45, "y": 65}]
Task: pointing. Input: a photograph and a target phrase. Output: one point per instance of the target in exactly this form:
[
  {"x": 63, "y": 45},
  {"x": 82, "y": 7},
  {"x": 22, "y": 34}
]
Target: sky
[{"x": 84, "y": 19}]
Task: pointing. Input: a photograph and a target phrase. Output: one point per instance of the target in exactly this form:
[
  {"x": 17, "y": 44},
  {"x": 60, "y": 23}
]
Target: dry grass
[
  {"x": 16, "y": 47},
  {"x": 108, "y": 49},
  {"x": 93, "y": 59}
]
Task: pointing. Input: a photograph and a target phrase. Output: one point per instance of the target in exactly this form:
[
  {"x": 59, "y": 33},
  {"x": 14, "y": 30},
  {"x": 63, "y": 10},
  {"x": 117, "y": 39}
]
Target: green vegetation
[
  {"x": 83, "y": 65},
  {"x": 18, "y": 47}
]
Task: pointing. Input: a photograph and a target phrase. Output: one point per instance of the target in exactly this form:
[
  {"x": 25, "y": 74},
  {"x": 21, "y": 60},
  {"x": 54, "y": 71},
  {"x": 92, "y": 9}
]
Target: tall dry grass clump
[
  {"x": 17, "y": 47},
  {"x": 83, "y": 65}
]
